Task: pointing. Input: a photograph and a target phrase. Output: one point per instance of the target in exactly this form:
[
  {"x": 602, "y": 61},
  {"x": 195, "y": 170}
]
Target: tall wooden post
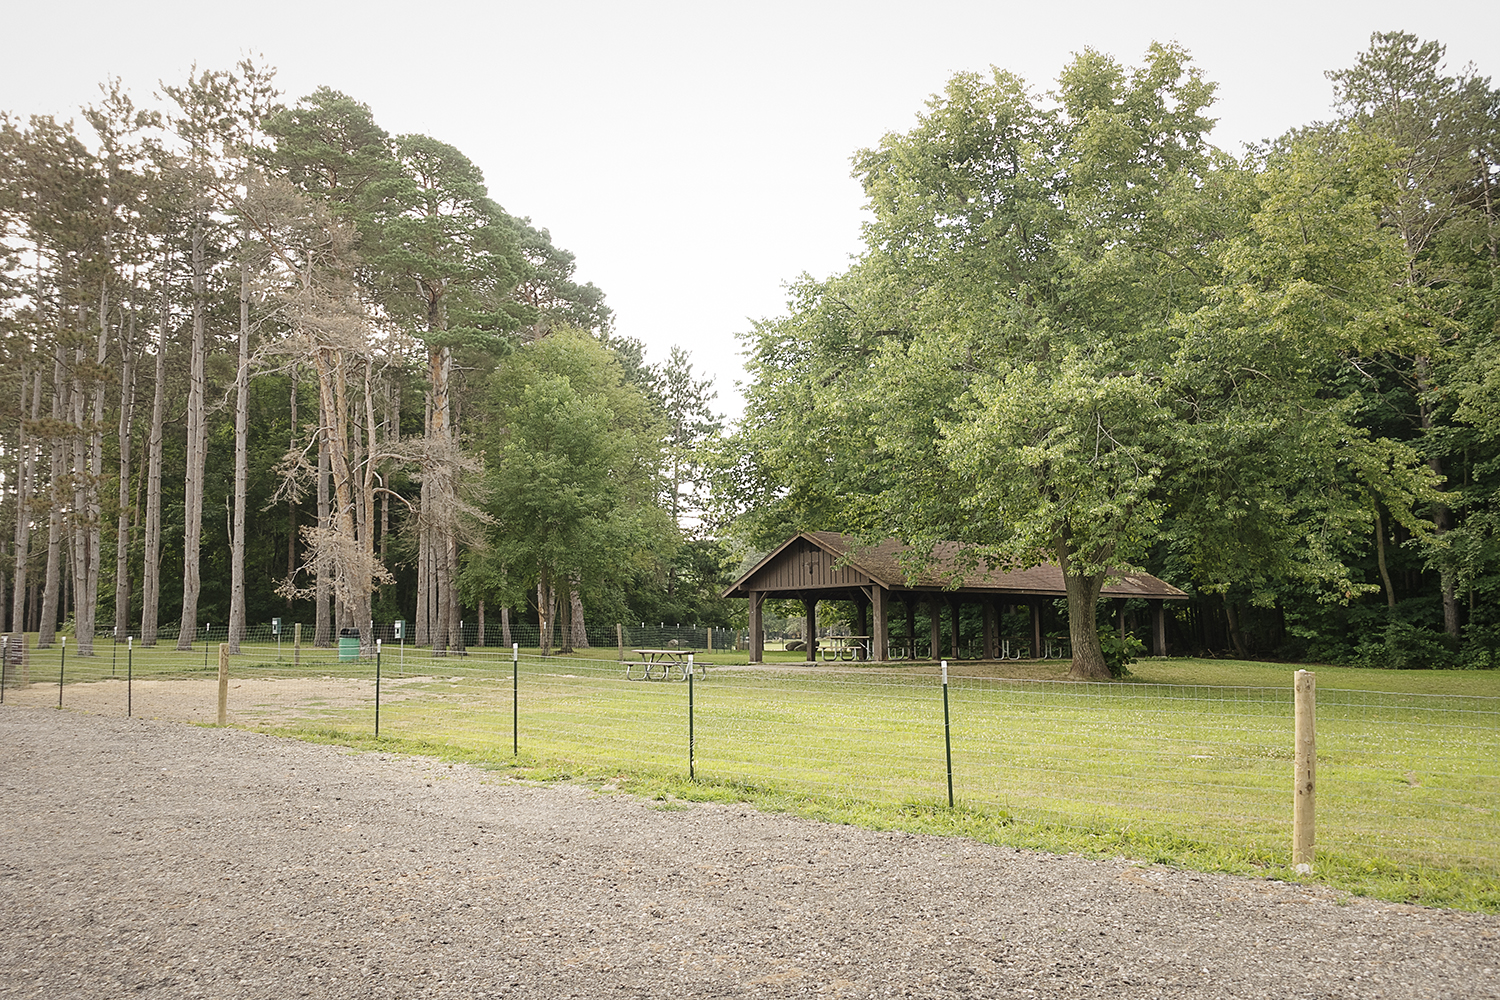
[
  {"x": 1159, "y": 627},
  {"x": 879, "y": 644},
  {"x": 1304, "y": 827},
  {"x": 861, "y": 618},
  {"x": 935, "y": 608},
  {"x": 757, "y": 631},
  {"x": 953, "y": 625},
  {"x": 1036, "y": 628},
  {"x": 911, "y": 626},
  {"x": 810, "y": 608}
]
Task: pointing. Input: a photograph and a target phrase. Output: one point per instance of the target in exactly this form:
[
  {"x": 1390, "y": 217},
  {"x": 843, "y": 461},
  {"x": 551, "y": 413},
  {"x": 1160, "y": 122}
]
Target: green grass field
[{"x": 1188, "y": 762}]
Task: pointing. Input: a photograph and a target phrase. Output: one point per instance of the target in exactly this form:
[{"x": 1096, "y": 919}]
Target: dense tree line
[
  {"x": 1078, "y": 333},
  {"x": 277, "y": 362}
]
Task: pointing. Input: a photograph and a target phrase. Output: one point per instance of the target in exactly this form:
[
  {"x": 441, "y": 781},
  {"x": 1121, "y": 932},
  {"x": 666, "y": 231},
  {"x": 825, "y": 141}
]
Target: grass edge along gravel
[{"x": 1452, "y": 888}]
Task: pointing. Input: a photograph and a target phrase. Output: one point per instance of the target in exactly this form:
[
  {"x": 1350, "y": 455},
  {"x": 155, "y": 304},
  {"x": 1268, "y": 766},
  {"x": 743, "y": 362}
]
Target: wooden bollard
[
  {"x": 223, "y": 683},
  {"x": 1304, "y": 827}
]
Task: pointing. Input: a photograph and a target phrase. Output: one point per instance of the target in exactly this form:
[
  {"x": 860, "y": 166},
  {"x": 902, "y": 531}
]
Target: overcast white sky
[{"x": 695, "y": 156}]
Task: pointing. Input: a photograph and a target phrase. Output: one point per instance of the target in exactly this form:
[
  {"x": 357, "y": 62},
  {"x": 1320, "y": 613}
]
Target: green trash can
[{"x": 348, "y": 645}]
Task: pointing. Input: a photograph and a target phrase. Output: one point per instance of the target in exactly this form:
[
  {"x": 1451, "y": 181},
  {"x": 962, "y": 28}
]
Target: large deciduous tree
[{"x": 1061, "y": 314}]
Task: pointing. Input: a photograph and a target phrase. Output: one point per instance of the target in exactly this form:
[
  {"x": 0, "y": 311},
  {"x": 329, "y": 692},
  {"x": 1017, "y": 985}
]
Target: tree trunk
[
  {"x": 505, "y": 627},
  {"x": 1083, "y": 624},
  {"x": 25, "y": 488},
  {"x": 291, "y": 504},
  {"x": 197, "y": 446},
  {"x": 565, "y": 610},
  {"x": 323, "y": 593},
  {"x": 1442, "y": 515},
  {"x": 544, "y": 614},
  {"x": 1236, "y": 637},
  {"x": 580, "y": 627},
  {"x": 241, "y": 464},
  {"x": 151, "y": 562},
  {"x": 47, "y": 627},
  {"x": 126, "y": 439},
  {"x": 1385, "y": 573}
]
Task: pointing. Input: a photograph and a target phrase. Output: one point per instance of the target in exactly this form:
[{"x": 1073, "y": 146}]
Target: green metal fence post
[
  {"x": 129, "y": 672},
  {"x": 515, "y": 699},
  {"x": 947, "y": 735},
  {"x": 377, "y": 687},
  {"x": 692, "y": 776}
]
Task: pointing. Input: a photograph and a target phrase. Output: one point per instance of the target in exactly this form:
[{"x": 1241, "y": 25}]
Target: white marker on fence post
[
  {"x": 1304, "y": 826},
  {"x": 223, "y": 683}
]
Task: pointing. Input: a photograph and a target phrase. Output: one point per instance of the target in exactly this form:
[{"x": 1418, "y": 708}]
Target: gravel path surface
[{"x": 163, "y": 860}]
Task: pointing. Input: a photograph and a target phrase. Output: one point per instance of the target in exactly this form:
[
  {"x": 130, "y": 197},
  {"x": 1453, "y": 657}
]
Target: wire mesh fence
[{"x": 1403, "y": 779}]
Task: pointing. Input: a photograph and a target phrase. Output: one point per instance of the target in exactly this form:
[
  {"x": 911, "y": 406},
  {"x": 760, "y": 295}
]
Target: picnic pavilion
[{"x": 818, "y": 566}]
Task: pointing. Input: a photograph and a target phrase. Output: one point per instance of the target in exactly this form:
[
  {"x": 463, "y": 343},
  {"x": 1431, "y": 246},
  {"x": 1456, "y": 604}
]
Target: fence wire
[{"x": 1402, "y": 778}]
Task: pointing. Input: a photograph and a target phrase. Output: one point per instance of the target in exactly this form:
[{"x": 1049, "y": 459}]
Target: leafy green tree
[
  {"x": 1067, "y": 315},
  {"x": 573, "y": 477},
  {"x": 1441, "y": 131}
]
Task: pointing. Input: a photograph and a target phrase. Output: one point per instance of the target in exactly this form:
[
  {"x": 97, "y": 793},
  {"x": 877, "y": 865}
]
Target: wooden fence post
[
  {"x": 620, "y": 640},
  {"x": 297, "y": 644},
  {"x": 1304, "y": 827},
  {"x": 223, "y": 683}
]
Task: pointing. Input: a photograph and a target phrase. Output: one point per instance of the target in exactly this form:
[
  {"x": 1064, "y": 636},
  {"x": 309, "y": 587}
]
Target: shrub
[{"x": 1119, "y": 651}]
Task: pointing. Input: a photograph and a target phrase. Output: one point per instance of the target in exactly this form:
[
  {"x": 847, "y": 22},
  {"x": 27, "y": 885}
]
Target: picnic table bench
[
  {"x": 658, "y": 665},
  {"x": 845, "y": 647}
]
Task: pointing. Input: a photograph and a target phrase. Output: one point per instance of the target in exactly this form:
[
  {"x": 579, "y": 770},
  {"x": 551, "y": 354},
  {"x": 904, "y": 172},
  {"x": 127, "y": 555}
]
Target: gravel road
[{"x": 152, "y": 859}]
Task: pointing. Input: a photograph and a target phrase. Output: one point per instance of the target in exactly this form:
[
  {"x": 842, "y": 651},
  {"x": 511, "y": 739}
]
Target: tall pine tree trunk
[
  {"x": 122, "y": 524},
  {"x": 52, "y": 584},
  {"x": 291, "y": 504},
  {"x": 151, "y": 560},
  {"x": 197, "y": 444},
  {"x": 241, "y": 464},
  {"x": 323, "y": 594},
  {"x": 25, "y": 488}
]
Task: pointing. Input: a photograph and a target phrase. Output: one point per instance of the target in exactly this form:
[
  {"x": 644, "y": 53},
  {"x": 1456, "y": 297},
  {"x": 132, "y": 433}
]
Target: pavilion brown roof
[{"x": 831, "y": 561}]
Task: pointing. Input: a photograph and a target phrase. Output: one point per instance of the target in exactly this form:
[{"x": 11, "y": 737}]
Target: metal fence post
[
  {"x": 947, "y": 735},
  {"x": 61, "y": 664},
  {"x": 129, "y": 673},
  {"x": 377, "y": 686},
  {"x": 692, "y": 775},
  {"x": 515, "y": 699}
]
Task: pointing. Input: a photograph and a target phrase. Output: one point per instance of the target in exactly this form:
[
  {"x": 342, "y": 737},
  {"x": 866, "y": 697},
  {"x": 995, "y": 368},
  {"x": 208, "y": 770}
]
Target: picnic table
[
  {"x": 658, "y": 665},
  {"x": 845, "y": 647}
]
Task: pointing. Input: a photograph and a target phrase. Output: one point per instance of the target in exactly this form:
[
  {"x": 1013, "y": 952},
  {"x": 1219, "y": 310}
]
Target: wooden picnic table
[
  {"x": 664, "y": 660},
  {"x": 845, "y": 647}
]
